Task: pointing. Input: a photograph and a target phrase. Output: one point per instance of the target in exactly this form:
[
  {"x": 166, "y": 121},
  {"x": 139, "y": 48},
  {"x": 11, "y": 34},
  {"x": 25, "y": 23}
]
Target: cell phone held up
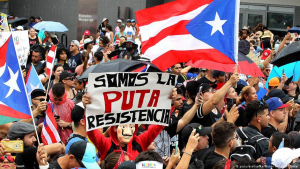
[
  {"x": 199, "y": 92},
  {"x": 13, "y": 146},
  {"x": 56, "y": 117}
]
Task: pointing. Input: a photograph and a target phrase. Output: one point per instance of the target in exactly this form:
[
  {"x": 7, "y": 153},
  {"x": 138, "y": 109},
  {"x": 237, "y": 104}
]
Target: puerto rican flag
[
  {"x": 50, "y": 60},
  {"x": 186, "y": 30},
  {"x": 49, "y": 133}
]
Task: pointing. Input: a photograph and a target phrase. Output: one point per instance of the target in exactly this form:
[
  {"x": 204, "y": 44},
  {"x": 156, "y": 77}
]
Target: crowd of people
[{"x": 217, "y": 120}]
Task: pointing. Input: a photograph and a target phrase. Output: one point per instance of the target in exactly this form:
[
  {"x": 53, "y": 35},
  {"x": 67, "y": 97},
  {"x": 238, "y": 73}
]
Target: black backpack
[{"x": 248, "y": 146}]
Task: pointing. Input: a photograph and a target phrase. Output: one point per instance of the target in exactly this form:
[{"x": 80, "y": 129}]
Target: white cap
[
  {"x": 52, "y": 34},
  {"x": 245, "y": 28},
  {"x": 284, "y": 156},
  {"x": 119, "y": 21},
  {"x": 20, "y": 28}
]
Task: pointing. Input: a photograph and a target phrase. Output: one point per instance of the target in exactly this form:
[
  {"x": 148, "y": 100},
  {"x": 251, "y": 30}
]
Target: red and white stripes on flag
[
  {"x": 50, "y": 60},
  {"x": 165, "y": 40},
  {"x": 49, "y": 133}
]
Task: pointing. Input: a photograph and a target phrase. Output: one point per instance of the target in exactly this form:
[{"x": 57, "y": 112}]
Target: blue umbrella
[
  {"x": 50, "y": 26},
  {"x": 291, "y": 69},
  {"x": 295, "y": 30}
]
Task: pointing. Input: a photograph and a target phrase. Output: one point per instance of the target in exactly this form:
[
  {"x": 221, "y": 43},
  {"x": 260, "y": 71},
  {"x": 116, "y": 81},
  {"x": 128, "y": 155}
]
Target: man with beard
[
  {"x": 39, "y": 106},
  {"x": 27, "y": 159},
  {"x": 36, "y": 57},
  {"x": 131, "y": 52}
]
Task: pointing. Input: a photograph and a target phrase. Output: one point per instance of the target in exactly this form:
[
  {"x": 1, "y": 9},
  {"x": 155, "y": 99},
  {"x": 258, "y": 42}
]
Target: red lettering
[
  {"x": 154, "y": 98},
  {"x": 142, "y": 97},
  {"x": 108, "y": 101},
  {"x": 127, "y": 106}
]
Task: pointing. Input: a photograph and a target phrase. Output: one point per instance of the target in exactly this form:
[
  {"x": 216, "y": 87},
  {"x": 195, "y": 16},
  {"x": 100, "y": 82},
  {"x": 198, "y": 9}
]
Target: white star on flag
[
  {"x": 12, "y": 82},
  {"x": 216, "y": 24},
  {"x": 33, "y": 88}
]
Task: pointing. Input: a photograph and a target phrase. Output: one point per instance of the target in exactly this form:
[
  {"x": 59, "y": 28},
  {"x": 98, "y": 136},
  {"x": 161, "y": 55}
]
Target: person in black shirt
[
  {"x": 62, "y": 56},
  {"x": 276, "y": 139},
  {"x": 75, "y": 59},
  {"x": 208, "y": 78},
  {"x": 278, "y": 116}
]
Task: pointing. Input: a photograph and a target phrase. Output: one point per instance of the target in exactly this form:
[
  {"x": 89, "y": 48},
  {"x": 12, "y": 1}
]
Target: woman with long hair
[
  {"x": 62, "y": 57},
  {"x": 69, "y": 83},
  {"x": 33, "y": 38},
  {"x": 81, "y": 68},
  {"x": 109, "y": 33},
  {"x": 57, "y": 69}
]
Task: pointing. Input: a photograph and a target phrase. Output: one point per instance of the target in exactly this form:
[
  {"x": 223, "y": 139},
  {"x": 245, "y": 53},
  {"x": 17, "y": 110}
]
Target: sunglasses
[
  {"x": 261, "y": 104},
  {"x": 41, "y": 100},
  {"x": 71, "y": 78},
  {"x": 10, "y": 159},
  {"x": 72, "y": 45},
  {"x": 211, "y": 90},
  {"x": 129, "y": 43}
]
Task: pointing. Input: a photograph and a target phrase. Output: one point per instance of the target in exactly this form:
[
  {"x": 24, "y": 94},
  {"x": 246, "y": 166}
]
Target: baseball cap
[
  {"x": 275, "y": 103},
  {"x": 39, "y": 18},
  {"x": 119, "y": 21},
  {"x": 77, "y": 112},
  {"x": 19, "y": 130},
  {"x": 187, "y": 130},
  {"x": 284, "y": 156},
  {"x": 217, "y": 73},
  {"x": 265, "y": 54},
  {"x": 274, "y": 81},
  {"x": 88, "y": 40},
  {"x": 75, "y": 42},
  {"x": 37, "y": 92},
  {"x": 127, "y": 165},
  {"x": 87, "y": 32},
  {"x": 19, "y": 28},
  {"x": 206, "y": 86},
  {"x": 245, "y": 28},
  {"x": 86, "y": 153},
  {"x": 128, "y": 20},
  {"x": 66, "y": 74},
  {"x": 132, "y": 20},
  {"x": 279, "y": 93}
]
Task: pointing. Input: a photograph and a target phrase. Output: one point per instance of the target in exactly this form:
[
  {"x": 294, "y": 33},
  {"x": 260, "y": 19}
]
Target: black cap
[
  {"x": 206, "y": 86},
  {"x": 279, "y": 93},
  {"x": 127, "y": 165},
  {"x": 66, "y": 74},
  {"x": 77, "y": 112},
  {"x": 37, "y": 92},
  {"x": 187, "y": 130},
  {"x": 128, "y": 20},
  {"x": 217, "y": 73},
  {"x": 39, "y": 18},
  {"x": 192, "y": 87}
]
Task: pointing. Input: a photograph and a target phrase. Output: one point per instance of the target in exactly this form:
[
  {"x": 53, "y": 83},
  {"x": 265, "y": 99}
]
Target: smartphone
[
  {"x": 56, "y": 116},
  {"x": 292, "y": 35},
  {"x": 176, "y": 147},
  {"x": 13, "y": 146},
  {"x": 199, "y": 92}
]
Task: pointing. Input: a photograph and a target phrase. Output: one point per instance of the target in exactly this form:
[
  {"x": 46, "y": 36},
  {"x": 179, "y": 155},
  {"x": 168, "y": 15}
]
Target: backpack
[{"x": 248, "y": 146}]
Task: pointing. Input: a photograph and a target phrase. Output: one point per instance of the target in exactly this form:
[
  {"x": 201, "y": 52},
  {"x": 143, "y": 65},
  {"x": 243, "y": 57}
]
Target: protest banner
[
  {"x": 21, "y": 42},
  {"x": 129, "y": 98},
  {"x": 3, "y": 22}
]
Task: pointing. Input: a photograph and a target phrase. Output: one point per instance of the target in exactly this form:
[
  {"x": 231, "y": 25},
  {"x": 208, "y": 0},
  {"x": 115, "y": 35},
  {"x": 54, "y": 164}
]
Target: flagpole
[{"x": 236, "y": 34}]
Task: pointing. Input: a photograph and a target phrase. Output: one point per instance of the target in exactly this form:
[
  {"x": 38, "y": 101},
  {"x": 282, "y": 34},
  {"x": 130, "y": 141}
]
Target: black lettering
[
  {"x": 123, "y": 79},
  {"x": 99, "y": 120},
  {"x": 125, "y": 116},
  {"x": 159, "y": 79},
  {"x": 150, "y": 115},
  {"x": 142, "y": 76},
  {"x": 171, "y": 79},
  {"x": 91, "y": 120},
  {"x": 167, "y": 116},
  {"x": 162, "y": 115},
  {"x": 118, "y": 118},
  {"x": 112, "y": 80},
  {"x": 155, "y": 115},
  {"x": 100, "y": 79},
  {"x": 133, "y": 115},
  {"x": 132, "y": 78},
  {"x": 109, "y": 118},
  {"x": 142, "y": 115}
]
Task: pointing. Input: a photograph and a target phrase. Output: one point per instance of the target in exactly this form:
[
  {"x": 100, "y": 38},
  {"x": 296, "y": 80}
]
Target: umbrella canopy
[
  {"x": 120, "y": 65},
  {"x": 287, "y": 55},
  {"x": 245, "y": 66},
  {"x": 291, "y": 69},
  {"x": 295, "y": 30},
  {"x": 50, "y": 26},
  {"x": 18, "y": 21}
]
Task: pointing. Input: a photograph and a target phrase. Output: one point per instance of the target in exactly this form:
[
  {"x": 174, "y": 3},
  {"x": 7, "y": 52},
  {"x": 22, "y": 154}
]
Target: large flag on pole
[
  {"x": 49, "y": 133},
  {"x": 187, "y": 29},
  {"x": 32, "y": 82},
  {"x": 14, "y": 103}
]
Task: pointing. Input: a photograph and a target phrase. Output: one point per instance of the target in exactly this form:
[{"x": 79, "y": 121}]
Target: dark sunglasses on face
[
  {"x": 10, "y": 159},
  {"x": 128, "y": 43},
  {"x": 41, "y": 100},
  {"x": 72, "y": 45},
  {"x": 71, "y": 78}
]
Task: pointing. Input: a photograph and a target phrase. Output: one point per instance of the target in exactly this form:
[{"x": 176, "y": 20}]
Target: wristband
[{"x": 187, "y": 153}]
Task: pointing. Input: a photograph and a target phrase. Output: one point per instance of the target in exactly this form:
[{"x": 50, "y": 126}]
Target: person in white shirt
[
  {"x": 109, "y": 33},
  {"x": 129, "y": 31}
]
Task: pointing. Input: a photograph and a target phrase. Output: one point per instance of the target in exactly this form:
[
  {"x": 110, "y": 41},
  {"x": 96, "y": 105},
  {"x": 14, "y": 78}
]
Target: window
[{"x": 279, "y": 20}]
